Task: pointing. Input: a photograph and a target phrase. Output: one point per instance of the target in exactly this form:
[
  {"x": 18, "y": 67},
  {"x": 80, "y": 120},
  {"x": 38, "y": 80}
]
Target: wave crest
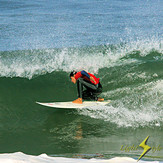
[{"x": 30, "y": 63}]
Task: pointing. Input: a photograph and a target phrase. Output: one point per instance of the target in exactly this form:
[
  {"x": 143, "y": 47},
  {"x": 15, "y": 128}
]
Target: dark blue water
[{"x": 51, "y": 24}]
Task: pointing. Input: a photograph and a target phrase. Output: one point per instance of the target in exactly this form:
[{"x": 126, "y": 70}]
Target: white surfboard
[{"x": 73, "y": 105}]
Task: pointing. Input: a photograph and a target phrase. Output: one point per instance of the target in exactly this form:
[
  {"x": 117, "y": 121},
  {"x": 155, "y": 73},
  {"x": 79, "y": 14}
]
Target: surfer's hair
[{"x": 72, "y": 73}]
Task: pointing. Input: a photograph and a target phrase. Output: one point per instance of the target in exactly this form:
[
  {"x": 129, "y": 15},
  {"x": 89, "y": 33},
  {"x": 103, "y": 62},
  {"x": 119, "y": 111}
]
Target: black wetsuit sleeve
[{"x": 85, "y": 74}]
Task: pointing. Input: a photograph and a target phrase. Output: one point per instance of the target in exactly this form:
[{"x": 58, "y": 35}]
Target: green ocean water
[{"x": 132, "y": 79}]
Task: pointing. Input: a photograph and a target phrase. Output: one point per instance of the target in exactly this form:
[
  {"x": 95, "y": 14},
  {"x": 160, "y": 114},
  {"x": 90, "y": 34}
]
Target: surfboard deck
[{"x": 73, "y": 105}]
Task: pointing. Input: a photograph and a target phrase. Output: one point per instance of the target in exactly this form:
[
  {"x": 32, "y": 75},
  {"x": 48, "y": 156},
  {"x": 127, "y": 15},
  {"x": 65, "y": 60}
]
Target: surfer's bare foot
[
  {"x": 100, "y": 99},
  {"x": 78, "y": 101}
]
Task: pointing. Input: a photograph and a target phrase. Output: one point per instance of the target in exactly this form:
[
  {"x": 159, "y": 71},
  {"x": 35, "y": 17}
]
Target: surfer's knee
[{"x": 80, "y": 80}]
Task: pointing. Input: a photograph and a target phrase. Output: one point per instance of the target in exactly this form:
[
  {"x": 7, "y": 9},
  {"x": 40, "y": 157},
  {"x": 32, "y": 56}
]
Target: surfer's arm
[
  {"x": 85, "y": 74},
  {"x": 88, "y": 76}
]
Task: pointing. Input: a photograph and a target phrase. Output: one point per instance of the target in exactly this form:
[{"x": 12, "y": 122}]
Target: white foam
[
  {"x": 141, "y": 109},
  {"x": 36, "y": 63},
  {"x": 20, "y": 157}
]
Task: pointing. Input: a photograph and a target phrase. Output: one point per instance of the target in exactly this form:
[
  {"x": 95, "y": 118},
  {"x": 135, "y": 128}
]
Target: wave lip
[{"x": 30, "y": 63}]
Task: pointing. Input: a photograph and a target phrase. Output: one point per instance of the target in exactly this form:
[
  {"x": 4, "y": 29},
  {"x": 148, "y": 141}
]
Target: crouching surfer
[{"x": 92, "y": 86}]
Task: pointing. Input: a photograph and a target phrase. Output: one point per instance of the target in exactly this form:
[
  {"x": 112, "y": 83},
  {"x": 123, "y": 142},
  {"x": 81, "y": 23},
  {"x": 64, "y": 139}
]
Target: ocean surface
[{"x": 120, "y": 41}]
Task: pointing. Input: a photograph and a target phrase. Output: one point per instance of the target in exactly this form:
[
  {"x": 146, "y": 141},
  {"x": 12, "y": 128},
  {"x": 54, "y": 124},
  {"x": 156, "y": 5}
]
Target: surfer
[{"x": 92, "y": 86}]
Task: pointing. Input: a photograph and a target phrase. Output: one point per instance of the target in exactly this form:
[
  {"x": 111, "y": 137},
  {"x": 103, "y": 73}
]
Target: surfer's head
[
  {"x": 72, "y": 76},
  {"x": 72, "y": 73}
]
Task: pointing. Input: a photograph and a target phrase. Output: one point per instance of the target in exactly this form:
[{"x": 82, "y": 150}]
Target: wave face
[{"x": 131, "y": 75}]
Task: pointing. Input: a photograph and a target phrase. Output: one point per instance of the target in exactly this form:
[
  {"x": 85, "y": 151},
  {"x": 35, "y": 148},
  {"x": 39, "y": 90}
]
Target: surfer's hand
[{"x": 92, "y": 79}]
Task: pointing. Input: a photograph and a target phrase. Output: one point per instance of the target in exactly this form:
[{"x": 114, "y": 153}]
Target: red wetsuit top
[{"x": 86, "y": 76}]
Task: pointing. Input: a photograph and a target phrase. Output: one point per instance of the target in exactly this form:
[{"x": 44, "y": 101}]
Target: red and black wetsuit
[{"x": 93, "y": 89}]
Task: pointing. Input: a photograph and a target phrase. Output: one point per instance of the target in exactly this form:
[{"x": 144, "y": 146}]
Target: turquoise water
[{"x": 118, "y": 41}]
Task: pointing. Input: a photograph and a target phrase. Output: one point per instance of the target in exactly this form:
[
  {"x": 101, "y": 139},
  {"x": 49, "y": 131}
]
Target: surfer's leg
[
  {"x": 79, "y": 88},
  {"x": 91, "y": 92},
  {"x": 86, "y": 95},
  {"x": 97, "y": 92},
  {"x": 87, "y": 84}
]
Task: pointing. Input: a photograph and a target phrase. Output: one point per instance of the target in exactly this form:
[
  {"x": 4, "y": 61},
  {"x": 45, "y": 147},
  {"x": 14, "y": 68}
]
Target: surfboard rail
[{"x": 70, "y": 104}]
